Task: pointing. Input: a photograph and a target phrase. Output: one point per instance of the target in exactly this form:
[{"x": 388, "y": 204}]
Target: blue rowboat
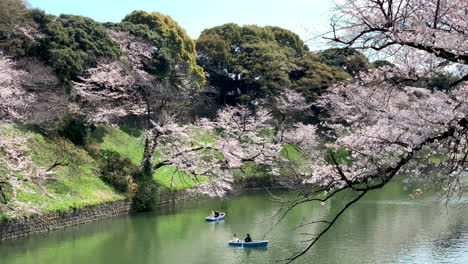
[
  {"x": 250, "y": 244},
  {"x": 214, "y": 219}
]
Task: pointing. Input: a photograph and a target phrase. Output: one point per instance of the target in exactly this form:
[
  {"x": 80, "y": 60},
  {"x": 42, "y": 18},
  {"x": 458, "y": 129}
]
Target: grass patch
[
  {"x": 127, "y": 142},
  {"x": 73, "y": 184},
  {"x": 169, "y": 177}
]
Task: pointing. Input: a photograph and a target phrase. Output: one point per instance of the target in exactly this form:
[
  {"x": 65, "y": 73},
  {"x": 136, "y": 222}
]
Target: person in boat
[
  {"x": 212, "y": 215},
  {"x": 235, "y": 238},
  {"x": 216, "y": 214},
  {"x": 248, "y": 238}
]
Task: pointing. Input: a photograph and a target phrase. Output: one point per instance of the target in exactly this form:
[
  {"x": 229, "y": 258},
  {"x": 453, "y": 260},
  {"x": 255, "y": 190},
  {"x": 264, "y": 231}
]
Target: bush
[
  {"x": 118, "y": 171},
  {"x": 146, "y": 195},
  {"x": 74, "y": 129}
]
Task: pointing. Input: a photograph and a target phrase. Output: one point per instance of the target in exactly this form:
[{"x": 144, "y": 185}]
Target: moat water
[{"x": 386, "y": 226}]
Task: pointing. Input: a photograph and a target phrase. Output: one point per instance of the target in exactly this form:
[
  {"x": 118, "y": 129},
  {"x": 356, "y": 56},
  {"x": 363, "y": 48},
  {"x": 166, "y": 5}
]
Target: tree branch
[{"x": 329, "y": 225}]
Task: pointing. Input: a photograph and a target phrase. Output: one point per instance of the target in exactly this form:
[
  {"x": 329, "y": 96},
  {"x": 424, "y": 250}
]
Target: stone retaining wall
[{"x": 25, "y": 226}]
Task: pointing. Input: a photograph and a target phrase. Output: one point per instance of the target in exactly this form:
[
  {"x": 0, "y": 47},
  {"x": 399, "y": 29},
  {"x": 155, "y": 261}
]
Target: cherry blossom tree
[
  {"x": 114, "y": 90},
  {"x": 385, "y": 127},
  {"x": 30, "y": 92},
  {"x": 238, "y": 134},
  {"x": 288, "y": 107},
  {"x": 117, "y": 89},
  {"x": 435, "y": 27},
  {"x": 15, "y": 161},
  {"x": 244, "y": 135}
]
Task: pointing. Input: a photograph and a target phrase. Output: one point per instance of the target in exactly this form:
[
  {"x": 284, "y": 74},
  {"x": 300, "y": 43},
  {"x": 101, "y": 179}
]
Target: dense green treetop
[
  {"x": 13, "y": 20},
  {"x": 351, "y": 60},
  {"x": 382, "y": 63},
  {"x": 287, "y": 38},
  {"x": 72, "y": 43},
  {"x": 177, "y": 43},
  {"x": 265, "y": 68},
  {"x": 312, "y": 75},
  {"x": 247, "y": 63},
  {"x": 223, "y": 43}
]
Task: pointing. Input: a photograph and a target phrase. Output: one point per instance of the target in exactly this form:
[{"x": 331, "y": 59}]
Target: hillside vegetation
[
  {"x": 66, "y": 175},
  {"x": 46, "y": 174}
]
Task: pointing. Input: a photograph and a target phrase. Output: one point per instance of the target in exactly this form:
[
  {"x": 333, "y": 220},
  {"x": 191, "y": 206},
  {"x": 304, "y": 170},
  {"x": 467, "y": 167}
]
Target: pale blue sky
[{"x": 301, "y": 16}]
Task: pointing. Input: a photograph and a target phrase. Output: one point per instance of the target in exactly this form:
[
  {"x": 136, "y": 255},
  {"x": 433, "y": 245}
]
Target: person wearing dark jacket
[
  {"x": 248, "y": 238},
  {"x": 216, "y": 214}
]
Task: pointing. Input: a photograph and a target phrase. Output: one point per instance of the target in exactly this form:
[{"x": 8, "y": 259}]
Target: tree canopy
[
  {"x": 14, "y": 25},
  {"x": 71, "y": 44},
  {"x": 350, "y": 60},
  {"x": 177, "y": 46},
  {"x": 249, "y": 64},
  {"x": 312, "y": 75}
]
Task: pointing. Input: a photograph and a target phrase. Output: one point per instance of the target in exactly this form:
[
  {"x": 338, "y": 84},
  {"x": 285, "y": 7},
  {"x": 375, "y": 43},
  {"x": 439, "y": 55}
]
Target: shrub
[
  {"x": 73, "y": 128},
  {"x": 146, "y": 195},
  {"x": 118, "y": 171}
]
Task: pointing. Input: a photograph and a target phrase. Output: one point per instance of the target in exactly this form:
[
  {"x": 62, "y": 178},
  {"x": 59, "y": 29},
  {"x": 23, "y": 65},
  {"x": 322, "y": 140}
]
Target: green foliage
[
  {"x": 72, "y": 43},
  {"x": 381, "y": 63},
  {"x": 351, "y": 60},
  {"x": 161, "y": 61},
  {"x": 250, "y": 63},
  {"x": 287, "y": 38},
  {"x": 6, "y": 193},
  {"x": 234, "y": 57},
  {"x": 440, "y": 82},
  {"x": 146, "y": 195},
  {"x": 264, "y": 68},
  {"x": 340, "y": 155},
  {"x": 74, "y": 129},
  {"x": 312, "y": 76},
  {"x": 66, "y": 62},
  {"x": 252, "y": 60},
  {"x": 12, "y": 13},
  {"x": 178, "y": 46},
  {"x": 116, "y": 170},
  {"x": 13, "y": 16}
]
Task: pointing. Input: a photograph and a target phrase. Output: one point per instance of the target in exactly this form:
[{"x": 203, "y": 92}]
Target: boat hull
[
  {"x": 216, "y": 219},
  {"x": 249, "y": 244}
]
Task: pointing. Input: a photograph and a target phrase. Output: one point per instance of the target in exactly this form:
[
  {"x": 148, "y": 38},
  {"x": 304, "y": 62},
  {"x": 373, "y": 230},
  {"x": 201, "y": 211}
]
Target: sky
[{"x": 307, "y": 18}]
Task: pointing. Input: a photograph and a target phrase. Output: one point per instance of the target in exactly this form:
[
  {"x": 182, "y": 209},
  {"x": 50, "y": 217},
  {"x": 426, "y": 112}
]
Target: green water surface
[{"x": 385, "y": 227}]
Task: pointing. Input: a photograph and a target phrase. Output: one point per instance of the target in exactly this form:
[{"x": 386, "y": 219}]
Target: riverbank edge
[{"x": 40, "y": 223}]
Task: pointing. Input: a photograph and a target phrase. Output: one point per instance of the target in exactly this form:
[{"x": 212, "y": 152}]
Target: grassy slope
[
  {"x": 129, "y": 143},
  {"x": 75, "y": 185},
  {"x": 79, "y": 185}
]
